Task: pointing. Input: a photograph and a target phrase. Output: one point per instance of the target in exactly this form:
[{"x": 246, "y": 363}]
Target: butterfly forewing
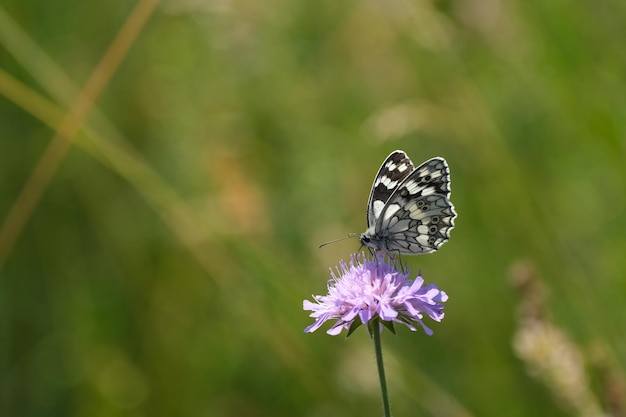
[
  {"x": 417, "y": 214},
  {"x": 392, "y": 172}
]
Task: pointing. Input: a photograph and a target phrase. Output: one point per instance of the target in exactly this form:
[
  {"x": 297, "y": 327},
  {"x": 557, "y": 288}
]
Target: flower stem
[{"x": 381, "y": 368}]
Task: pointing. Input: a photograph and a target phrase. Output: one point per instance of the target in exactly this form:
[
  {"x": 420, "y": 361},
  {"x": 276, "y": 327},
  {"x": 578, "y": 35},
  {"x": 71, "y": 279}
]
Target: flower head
[{"x": 369, "y": 289}]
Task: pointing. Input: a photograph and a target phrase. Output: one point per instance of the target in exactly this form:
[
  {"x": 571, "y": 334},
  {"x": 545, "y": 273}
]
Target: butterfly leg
[
  {"x": 401, "y": 264},
  {"x": 394, "y": 258},
  {"x": 373, "y": 254},
  {"x": 397, "y": 262}
]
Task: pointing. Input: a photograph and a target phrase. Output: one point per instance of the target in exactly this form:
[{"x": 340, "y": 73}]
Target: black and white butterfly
[{"x": 409, "y": 211}]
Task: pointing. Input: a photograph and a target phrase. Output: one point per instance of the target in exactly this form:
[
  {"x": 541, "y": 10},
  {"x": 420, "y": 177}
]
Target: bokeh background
[{"x": 162, "y": 268}]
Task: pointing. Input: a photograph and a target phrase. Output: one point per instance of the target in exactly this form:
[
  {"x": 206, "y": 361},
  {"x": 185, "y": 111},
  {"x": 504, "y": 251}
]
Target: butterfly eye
[
  {"x": 432, "y": 240},
  {"x": 433, "y": 229},
  {"x": 425, "y": 207},
  {"x": 420, "y": 204},
  {"x": 427, "y": 178},
  {"x": 434, "y": 220}
]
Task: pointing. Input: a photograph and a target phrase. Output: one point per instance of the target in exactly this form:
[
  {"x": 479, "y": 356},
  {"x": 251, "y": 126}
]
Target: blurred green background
[{"x": 163, "y": 270}]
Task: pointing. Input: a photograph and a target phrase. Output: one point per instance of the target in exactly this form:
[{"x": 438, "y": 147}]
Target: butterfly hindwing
[
  {"x": 421, "y": 225},
  {"x": 392, "y": 172},
  {"x": 417, "y": 216}
]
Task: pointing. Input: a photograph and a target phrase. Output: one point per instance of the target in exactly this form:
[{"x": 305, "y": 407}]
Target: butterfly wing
[
  {"x": 395, "y": 169},
  {"x": 418, "y": 215}
]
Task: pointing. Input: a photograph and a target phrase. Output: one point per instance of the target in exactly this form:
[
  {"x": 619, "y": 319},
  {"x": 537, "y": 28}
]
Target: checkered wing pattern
[
  {"x": 409, "y": 210},
  {"x": 392, "y": 172}
]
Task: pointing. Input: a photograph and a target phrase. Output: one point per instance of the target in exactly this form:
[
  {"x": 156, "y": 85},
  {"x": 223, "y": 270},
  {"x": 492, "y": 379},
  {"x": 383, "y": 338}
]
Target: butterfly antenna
[{"x": 350, "y": 236}]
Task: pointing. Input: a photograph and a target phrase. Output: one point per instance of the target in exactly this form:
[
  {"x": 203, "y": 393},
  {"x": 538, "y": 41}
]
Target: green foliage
[{"x": 163, "y": 270}]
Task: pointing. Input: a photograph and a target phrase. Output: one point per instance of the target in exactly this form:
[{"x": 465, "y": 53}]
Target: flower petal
[
  {"x": 387, "y": 312},
  {"x": 370, "y": 288}
]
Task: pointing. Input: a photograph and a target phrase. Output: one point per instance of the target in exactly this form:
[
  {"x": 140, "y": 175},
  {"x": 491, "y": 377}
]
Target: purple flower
[{"x": 373, "y": 288}]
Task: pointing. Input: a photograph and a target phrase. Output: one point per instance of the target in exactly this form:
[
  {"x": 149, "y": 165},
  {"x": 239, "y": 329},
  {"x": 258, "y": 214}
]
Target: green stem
[{"x": 381, "y": 368}]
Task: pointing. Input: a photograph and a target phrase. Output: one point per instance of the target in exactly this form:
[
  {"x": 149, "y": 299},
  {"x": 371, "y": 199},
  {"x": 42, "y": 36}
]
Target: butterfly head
[{"x": 368, "y": 239}]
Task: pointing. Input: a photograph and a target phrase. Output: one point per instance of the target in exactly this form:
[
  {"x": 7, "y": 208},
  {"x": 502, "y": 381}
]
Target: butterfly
[{"x": 409, "y": 211}]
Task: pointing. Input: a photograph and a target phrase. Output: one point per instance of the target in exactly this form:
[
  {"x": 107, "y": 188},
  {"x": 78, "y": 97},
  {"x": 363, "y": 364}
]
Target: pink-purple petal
[
  {"x": 370, "y": 288},
  {"x": 387, "y": 312},
  {"x": 366, "y": 315}
]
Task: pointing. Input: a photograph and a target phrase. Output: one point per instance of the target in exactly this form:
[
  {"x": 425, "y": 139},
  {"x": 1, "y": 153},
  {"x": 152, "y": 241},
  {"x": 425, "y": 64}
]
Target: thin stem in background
[{"x": 49, "y": 162}]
